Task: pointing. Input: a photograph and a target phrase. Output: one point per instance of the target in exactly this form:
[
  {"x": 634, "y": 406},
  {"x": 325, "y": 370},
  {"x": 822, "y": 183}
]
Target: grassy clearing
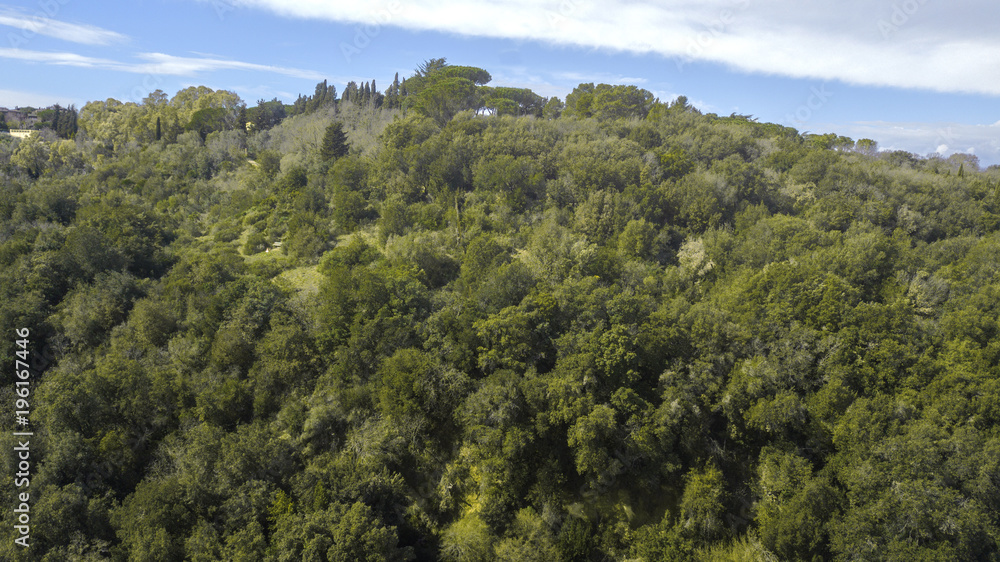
[{"x": 305, "y": 280}]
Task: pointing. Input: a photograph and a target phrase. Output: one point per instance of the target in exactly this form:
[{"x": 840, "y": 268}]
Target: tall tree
[
  {"x": 445, "y": 90},
  {"x": 350, "y": 92},
  {"x": 428, "y": 67},
  {"x": 392, "y": 93},
  {"x": 299, "y": 106},
  {"x": 334, "y": 142},
  {"x": 71, "y": 122},
  {"x": 319, "y": 96}
]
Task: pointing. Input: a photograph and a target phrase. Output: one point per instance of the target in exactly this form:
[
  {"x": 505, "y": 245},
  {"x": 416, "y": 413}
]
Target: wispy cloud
[
  {"x": 154, "y": 63},
  {"x": 74, "y": 32},
  {"x": 927, "y": 44},
  {"x": 63, "y": 59},
  {"x": 159, "y": 63}
]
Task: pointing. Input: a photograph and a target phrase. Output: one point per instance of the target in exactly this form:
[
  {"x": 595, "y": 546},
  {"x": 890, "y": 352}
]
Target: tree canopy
[{"x": 465, "y": 322}]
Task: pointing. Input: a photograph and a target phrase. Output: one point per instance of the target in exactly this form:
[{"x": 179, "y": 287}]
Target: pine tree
[
  {"x": 334, "y": 142},
  {"x": 431, "y": 66}
]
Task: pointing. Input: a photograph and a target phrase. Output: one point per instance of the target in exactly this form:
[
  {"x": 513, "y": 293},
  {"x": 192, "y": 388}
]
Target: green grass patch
[{"x": 306, "y": 280}]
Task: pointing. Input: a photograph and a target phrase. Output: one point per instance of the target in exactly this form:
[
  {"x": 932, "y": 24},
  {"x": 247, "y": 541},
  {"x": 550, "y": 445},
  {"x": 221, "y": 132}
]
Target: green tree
[
  {"x": 467, "y": 540},
  {"x": 445, "y": 97},
  {"x": 88, "y": 313},
  {"x": 152, "y": 521},
  {"x": 360, "y": 536},
  {"x": 703, "y": 505},
  {"x": 636, "y": 240},
  {"x": 31, "y": 155},
  {"x": 592, "y": 439},
  {"x": 335, "y": 143},
  {"x": 266, "y": 114},
  {"x": 208, "y": 120},
  {"x": 605, "y": 101},
  {"x": 440, "y": 91},
  {"x": 867, "y": 147},
  {"x": 553, "y": 108},
  {"x": 529, "y": 540}
]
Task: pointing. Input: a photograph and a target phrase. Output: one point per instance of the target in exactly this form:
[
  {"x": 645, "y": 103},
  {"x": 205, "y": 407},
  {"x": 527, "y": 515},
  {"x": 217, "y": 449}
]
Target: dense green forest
[{"x": 450, "y": 321}]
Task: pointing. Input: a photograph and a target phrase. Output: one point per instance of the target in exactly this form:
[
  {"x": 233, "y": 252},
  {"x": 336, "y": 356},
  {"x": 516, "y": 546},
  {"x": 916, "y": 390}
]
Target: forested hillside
[{"x": 450, "y": 321}]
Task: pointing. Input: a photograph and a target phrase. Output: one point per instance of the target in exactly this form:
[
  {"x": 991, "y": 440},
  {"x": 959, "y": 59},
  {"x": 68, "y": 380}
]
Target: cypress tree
[
  {"x": 334, "y": 142},
  {"x": 157, "y": 128},
  {"x": 55, "y": 120}
]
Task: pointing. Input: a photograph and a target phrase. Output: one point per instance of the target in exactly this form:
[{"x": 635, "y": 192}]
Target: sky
[{"x": 916, "y": 75}]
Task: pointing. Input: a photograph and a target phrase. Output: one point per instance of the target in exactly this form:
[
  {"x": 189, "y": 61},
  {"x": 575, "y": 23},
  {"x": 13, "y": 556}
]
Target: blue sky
[{"x": 915, "y": 75}]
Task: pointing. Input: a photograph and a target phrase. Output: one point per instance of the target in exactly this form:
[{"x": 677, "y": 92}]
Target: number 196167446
[{"x": 21, "y": 374}]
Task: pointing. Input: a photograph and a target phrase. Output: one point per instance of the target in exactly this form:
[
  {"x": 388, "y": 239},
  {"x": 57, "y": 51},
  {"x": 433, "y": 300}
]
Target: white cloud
[
  {"x": 928, "y": 138},
  {"x": 62, "y": 59},
  {"x": 914, "y": 44},
  {"x": 159, "y": 63},
  {"x": 41, "y": 25},
  {"x": 156, "y": 64}
]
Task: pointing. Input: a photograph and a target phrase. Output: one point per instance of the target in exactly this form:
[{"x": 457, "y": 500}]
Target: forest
[{"x": 452, "y": 321}]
